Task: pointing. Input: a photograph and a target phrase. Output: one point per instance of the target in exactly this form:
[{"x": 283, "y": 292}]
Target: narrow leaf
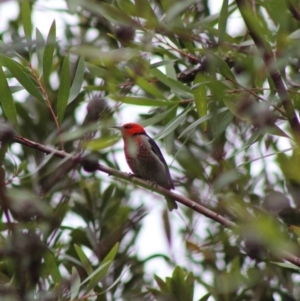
[
  {"x": 78, "y": 80},
  {"x": 223, "y": 21},
  {"x": 140, "y": 101},
  {"x": 200, "y": 120},
  {"x": 200, "y": 98},
  {"x": 23, "y": 76},
  {"x": 48, "y": 52},
  {"x": 6, "y": 99},
  {"x": 97, "y": 275},
  {"x": 174, "y": 85},
  {"x": 64, "y": 89},
  {"x": 147, "y": 87},
  {"x": 84, "y": 260},
  {"x": 75, "y": 283},
  {"x": 26, "y": 20},
  {"x": 40, "y": 46},
  {"x": 51, "y": 267},
  {"x": 172, "y": 125}
]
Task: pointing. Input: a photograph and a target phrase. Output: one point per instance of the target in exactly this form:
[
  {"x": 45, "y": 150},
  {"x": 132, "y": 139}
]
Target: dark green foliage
[{"x": 69, "y": 231}]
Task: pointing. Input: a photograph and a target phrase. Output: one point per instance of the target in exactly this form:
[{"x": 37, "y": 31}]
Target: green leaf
[
  {"x": 141, "y": 101},
  {"x": 286, "y": 265},
  {"x": 146, "y": 86},
  {"x": 109, "y": 12},
  {"x": 145, "y": 11},
  {"x": 189, "y": 284},
  {"x": 178, "y": 284},
  {"x": 84, "y": 260},
  {"x": 200, "y": 97},
  {"x": 78, "y": 80},
  {"x": 40, "y": 47},
  {"x": 75, "y": 283},
  {"x": 64, "y": 89},
  {"x": 162, "y": 63},
  {"x": 223, "y": 21},
  {"x": 162, "y": 285},
  {"x": 103, "y": 56},
  {"x": 48, "y": 52},
  {"x": 23, "y": 76},
  {"x": 99, "y": 273},
  {"x": 174, "y": 85},
  {"x": 176, "y": 9},
  {"x": 51, "y": 267},
  {"x": 116, "y": 281},
  {"x": 223, "y": 68},
  {"x": 205, "y": 297},
  {"x": 159, "y": 117},
  {"x": 173, "y": 124},
  {"x": 26, "y": 20},
  {"x": 112, "y": 254},
  {"x": 200, "y": 120},
  {"x": 7, "y": 101},
  {"x": 101, "y": 143}
]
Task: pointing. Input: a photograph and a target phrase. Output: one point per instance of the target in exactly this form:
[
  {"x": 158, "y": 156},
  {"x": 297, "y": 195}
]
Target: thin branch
[
  {"x": 127, "y": 177},
  {"x": 294, "y": 10},
  {"x": 271, "y": 64}
]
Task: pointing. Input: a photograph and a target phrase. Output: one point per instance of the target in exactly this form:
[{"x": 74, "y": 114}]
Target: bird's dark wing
[{"x": 157, "y": 152}]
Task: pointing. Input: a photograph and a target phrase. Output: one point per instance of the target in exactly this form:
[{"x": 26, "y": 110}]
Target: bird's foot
[{"x": 153, "y": 184}]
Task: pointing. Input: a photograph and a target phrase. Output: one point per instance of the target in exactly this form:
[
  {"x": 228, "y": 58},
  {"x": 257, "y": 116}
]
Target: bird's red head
[{"x": 131, "y": 129}]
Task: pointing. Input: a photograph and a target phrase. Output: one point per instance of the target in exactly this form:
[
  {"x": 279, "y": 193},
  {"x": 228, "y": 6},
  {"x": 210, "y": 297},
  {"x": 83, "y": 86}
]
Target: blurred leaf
[
  {"x": 176, "y": 9},
  {"x": 26, "y": 20},
  {"x": 200, "y": 97},
  {"x": 167, "y": 227},
  {"x": 75, "y": 284},
  {"x": 100, "y": 143},
  {"x": 23, "y": 76},
  {"x": 84, "y": 260},
  {"x": 172, "y": 125},
  {"x": 40, "y": 46},
  {"x": 158, "y": 117},
  {"x": 111, "y": 57},
  {"x": 109, "y": 12},
  {"x": 51, "y": 267},
  {"x": 223, "y": 21},
  {"x": 174, "y": 85},
  {"x": 64, "y": 89},
  {"x": 49, "y": 51},
  {"x": 162, "y": 63},
  {"x": 146, "y": 86},
  {"x": 287, "y": 265},
  {"x": 201, "y": 120},
  {"x": 140, "y": 101},
  {"x": 78, "y": 80},
  {"x": 7, "y": 101}
]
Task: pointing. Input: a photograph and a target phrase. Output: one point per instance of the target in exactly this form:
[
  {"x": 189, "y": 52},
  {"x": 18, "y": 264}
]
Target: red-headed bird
[{"x": 145, "y": 158}]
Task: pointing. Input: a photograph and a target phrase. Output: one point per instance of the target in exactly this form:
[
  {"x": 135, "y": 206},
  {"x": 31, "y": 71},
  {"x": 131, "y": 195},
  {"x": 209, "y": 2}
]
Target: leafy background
[{"x": 224, "y": 106}]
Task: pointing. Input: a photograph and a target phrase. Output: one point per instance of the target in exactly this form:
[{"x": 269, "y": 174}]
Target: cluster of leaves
[{"x": 216, "y": 108}]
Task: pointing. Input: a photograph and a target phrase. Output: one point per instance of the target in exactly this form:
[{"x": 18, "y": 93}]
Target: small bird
[{"x": 145, "y": 158}]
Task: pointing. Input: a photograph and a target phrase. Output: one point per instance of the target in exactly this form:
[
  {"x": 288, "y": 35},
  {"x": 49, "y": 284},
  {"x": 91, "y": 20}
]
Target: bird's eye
[{"x": 128, "y": 126}]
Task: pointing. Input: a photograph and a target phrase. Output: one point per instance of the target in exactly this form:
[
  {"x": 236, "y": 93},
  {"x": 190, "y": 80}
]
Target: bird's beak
[{"x": 118, "y": 127}]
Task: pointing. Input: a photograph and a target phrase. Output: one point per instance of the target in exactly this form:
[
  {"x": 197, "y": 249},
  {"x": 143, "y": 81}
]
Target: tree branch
[
  {"x": 271, "y": 64},
  {"x": 140, "y": 182}
]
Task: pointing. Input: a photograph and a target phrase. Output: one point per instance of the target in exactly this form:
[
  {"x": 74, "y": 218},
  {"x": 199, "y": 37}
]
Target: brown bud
[{"x": 90, "y": 163}]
